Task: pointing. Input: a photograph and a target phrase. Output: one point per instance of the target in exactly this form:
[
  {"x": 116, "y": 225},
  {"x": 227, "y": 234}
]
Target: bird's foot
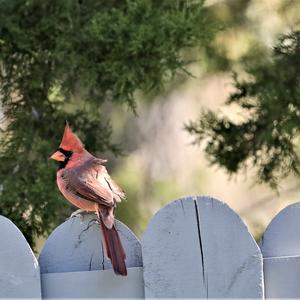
[{"x": 78, "y": 213}]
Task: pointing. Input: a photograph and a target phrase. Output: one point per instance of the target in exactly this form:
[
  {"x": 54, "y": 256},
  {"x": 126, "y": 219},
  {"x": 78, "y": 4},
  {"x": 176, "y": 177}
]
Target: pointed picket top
[
  {"x": 19, "y": 270},
  {"x": 197, "y": 247},
  {"x": 76, "y": 245}
]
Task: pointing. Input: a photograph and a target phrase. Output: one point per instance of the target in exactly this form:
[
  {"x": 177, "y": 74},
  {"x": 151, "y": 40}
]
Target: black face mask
[{"x": 67, "y": 154}]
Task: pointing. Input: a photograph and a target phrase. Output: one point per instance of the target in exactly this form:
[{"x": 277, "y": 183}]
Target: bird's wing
[
  {"x": 89, "y": 183},
  {"x": 117, "y": 191}
]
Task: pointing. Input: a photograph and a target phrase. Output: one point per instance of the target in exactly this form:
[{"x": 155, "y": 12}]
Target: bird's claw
[{"x": 78, "y": 213}]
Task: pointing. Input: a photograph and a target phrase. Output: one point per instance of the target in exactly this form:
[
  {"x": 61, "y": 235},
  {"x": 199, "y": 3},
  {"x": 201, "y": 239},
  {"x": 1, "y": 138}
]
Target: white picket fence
[{"x": 195, "y": 247}]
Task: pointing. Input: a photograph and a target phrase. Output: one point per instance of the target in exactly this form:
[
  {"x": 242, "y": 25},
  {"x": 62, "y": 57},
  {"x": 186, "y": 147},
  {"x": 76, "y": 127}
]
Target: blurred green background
[{"x": 182, "y": 98}]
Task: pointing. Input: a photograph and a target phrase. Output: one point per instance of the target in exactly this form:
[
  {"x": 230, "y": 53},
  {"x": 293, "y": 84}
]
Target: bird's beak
[{"x": 58, "y": 156}]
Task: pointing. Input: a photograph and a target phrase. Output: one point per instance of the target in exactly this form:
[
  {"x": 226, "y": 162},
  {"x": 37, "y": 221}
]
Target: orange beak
[{"x": 58, "y": 156}]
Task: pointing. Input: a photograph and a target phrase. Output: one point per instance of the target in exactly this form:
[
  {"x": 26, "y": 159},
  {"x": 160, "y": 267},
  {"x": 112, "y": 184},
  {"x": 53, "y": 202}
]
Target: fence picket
[
  {"x": 76, "y": 245},
  {"x": 198, "y": 247},
  {"x": 93, "y": 284},
  {"x": 74, "y": 249},
  {"x": 280, "y": 246},
  {"x": 19, "y": 270}
]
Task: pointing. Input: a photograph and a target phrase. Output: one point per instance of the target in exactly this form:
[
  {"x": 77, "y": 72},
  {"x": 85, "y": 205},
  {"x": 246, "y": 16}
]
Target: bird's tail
[{"x": 114, "y": 249}]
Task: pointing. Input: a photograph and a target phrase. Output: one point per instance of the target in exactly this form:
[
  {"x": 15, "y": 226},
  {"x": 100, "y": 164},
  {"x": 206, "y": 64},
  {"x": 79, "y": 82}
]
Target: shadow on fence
[{"x": 195, "y": 247}]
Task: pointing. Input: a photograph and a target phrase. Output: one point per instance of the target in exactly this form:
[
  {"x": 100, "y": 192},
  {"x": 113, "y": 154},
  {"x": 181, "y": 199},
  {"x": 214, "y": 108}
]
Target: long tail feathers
[{"x": 114, "y": 249}]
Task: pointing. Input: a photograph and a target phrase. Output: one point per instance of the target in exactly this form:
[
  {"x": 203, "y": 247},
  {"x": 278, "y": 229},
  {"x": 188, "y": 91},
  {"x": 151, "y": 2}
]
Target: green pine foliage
[
  {"x": 61, "y": 60},
  {"x": 269, "y": 101}
]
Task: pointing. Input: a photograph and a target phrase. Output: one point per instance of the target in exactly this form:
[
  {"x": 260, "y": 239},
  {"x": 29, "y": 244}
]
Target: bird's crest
[{"x": 70, "y": 142}]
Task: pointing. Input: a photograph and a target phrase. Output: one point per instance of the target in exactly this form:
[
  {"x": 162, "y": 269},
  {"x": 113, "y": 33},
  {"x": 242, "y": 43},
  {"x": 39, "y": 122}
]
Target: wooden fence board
[
  {"x": 198, "y": 247},
  {"x": 280, "y": 246},
  {"x": 19, "y": 270},
  {"x": 76, "y": 245},
  {"x": 282, "y": 277},
  {"x": 93, "y": 284},
  {"x": 282, "y": 237}
]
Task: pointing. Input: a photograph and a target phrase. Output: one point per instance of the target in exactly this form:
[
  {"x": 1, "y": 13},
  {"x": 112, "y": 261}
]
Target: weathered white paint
[
  {"x": 19, "y": 270},
  {"x": 280, "y": 246},
  {"x": 198, "y": 247},
  {"x": 93, "y": 284},
  {"x": 76, "y": 245}
]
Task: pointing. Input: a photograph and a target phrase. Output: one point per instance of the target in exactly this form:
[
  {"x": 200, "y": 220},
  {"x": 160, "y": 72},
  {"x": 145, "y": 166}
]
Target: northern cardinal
[{"x": 84, "y": 181}]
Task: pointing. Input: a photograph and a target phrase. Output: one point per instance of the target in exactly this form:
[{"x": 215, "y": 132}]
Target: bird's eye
[{"x": 66, "y": 153}]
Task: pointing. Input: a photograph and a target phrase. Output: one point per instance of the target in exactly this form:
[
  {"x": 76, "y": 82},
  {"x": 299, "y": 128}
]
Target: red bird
[{"x": 84, "y": 181}]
